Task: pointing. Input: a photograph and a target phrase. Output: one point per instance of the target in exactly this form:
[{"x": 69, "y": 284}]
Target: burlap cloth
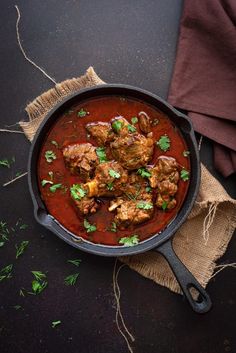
[{"x": 202, "y": 239}]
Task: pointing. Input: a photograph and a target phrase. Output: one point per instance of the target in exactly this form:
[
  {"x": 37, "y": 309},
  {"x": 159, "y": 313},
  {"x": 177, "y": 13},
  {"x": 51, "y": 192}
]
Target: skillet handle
[{"x": 186, "y": 280}]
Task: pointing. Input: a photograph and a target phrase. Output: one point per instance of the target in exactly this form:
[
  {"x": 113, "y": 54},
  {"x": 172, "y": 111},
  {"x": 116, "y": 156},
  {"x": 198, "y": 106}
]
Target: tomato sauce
[{"x": 70, "y": 128}]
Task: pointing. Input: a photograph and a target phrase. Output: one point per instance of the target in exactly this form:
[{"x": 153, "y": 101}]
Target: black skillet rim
[{"x": 52, "y": 224}]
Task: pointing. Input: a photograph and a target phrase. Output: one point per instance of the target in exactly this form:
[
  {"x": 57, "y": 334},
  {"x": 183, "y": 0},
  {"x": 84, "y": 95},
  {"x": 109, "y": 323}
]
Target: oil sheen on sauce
[{"x": 70, "y": 128}]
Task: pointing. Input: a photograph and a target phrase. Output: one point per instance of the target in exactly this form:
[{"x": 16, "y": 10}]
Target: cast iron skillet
[{"x": 161, "y": 242}]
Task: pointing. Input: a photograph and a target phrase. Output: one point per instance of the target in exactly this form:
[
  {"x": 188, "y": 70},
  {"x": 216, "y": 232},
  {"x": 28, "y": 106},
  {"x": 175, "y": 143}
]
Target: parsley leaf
[
  {"x": 71, "y": 279},
  {"x": 89, "y": 227},
  {"x": 38, "y": 275},
  {"x": 76, "y": 262},
  {"x": 54, "y": 187},
  {"x": 38, "y": 284},
  {"x": 55, "y": 143},
  {"x": 17, "y": 307},
  {"x": 114, "y": 174},
  {"x": 56, "y": 323},
  {"x": 113, "y": 227},
  {"x": 144, "y": 205},
  {"x": 117, "y": 125},
  {"x": 110, "y": 186},
  {"x": 144, "y": 172},
  {"x": 6, "y": 272},
  {"x": 5, "y": 163},
  {"x": 45, "y": 182},
  {"x": 50, "y": 156},
  {"x": 21, "y": 248},
  {"x": 101, "y": 153},
  {"x": 164, "y": 205},
  {"x": 164, "y": 143},
  {"x": 184, "y": 175},
  {"x": 23, "y": 226},
  {"x": 4, "y": 232},
  {"x": 129, "y": 241},
  {"x": 131, "y": 128},
  {"x": 77, "y": 192},
  {"x": 186, "y": 153},
  {"x": 134, "y": 120},
  {"x": 81, "y": 113},
  {"x": 148, "y": 188}
]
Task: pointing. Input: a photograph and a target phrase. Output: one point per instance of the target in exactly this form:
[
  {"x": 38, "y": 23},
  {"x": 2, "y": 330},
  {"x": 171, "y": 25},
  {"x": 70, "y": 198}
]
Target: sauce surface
[{"x": 70, "y": 128}]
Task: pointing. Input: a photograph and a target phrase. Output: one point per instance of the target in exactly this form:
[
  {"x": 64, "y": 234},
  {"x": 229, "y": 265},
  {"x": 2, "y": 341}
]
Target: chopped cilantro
[
  {"x": 45, "y": 182},
  {"x": 81, "y": 113},
  {"x": 39, "y": 283},
  {"x": 5, "y": 273},
  {"x": 148, "y": 188},
  {"x": 134, "y": 120},
  {"x": 184, "y": 175},
  {"x": 186, "y": 153},
  {"x": 17, "y": 307},
  {"x": 77, "y": 192},
  {"x": 110, "y": 186},
  {"x": 56, "y": 323},
  {"x": 117, "y": 125},
  {"x": 54, "y": 187},
  {"x": 5, "y": 163},
  {"x": 129, "y": 241},
  {"x": 113, "y": 227},
  {"x": 50, "y": 156},
  {"x": 164, "y": 143},
  {"x": 131, "y": 128},
  {"x": 71, "y": 279},
  {"x": 164, "y": 205},
  {"x": 114, "y": 174},
  {"x": 21, "y": 248},
  {"x": 144, "y": 172},
  {"x": 76, "y": 262},
  {"x": 101, "y": 153},
  {"x": 54, "y": 143},
  {"x": 144, "y": 205},
  {"x": 89, "y": 227}
]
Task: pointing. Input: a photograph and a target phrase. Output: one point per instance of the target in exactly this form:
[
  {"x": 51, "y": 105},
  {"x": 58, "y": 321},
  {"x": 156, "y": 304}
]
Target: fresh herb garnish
[
  {"x": 134, "y": 120},
  {"x": 39, "y": 283},
  {"x": 110, "y": 186},
  {"x": 50, "y": 156},
  {"x": 81, "y": 113},
  {"x": 129, "y": 241},
  {"x": 144, "y": 172},
  {"x": 54, "y": 143},
  {"x": 21, "y": 292},
  {"x": 4, "y": 232},
  {"x": 164, "y": 143},
  {"x": 45, "y": 182},
  {"x": 131, "y": 128},
  {"x": 186, "y": 153},
  {"x": 77, "y": 192},
  {"x": 155, "y": 122},
  {"x": 5, "y": 163},
  {"x": 114, "y": 174},
  {"x": 113, "y": 227},
  {"x": 6, "y": 272},
  {"x": 117, "y": 125},
  {"x": 148, "y": 188},
  {"x": 71, "y": 279},
  {"x": 101, "y": 153},
  {"x": 54, "y": 187},
  {"x": 164, "y": 205},
  {"x": 89, "y": 227},
  {"x": 17, "y": 307},
  {"x": 76, "y": 262},
  {"x": 56, "y": 323},
  {"x": 51, "y": 175},
  {"x": 21, "y": 248},
  {"x": 144, "y": 205},
  {"x": 23, "y": 226},
  {"x": 184, "y": 175}
]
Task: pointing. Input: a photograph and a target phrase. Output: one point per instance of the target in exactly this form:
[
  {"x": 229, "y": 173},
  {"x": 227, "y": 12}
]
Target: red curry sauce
[{"x": 70, "y": 128}]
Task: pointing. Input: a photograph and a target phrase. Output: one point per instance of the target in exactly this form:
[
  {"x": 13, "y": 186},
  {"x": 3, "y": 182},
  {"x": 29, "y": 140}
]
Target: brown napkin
[
  {"x": 202, "y": 239},
  {"x": 204, "y": 78}
]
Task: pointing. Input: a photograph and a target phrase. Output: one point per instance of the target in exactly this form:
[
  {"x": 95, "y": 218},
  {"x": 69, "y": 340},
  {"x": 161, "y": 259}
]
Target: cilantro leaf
[
  {"x": 76, "y": 262},
  {"x": 56, "y": 323},
  {"x": 164, "y": 205},
  {"x": 77, "y": 192},
  {"x": 21, "y": 248},
  {"x": 5, "y": 273},
  {"x": 131, "y": 128},
  {"x": 5, "y": 163},
  {"x": 45, "y": 182},
  {"x": 134, "y": 120},
  {"x": 38, "y": 275},
  {"x": 129, "y": 241},
  {"x": 144, "y": 172},
  {"x": 55, "y": 143},
  {"x": 144, "y": 205},
  {"x": 113, "y": 227},
  {"x": 39, "y": 283},
  {"x": 117, "y": 125},
  {"x": 164, "y": 143},
  {"x": 148, "y": 189},
  {"x": 184, "y": 175},
  {"x": 71, "y": 279},
  {"x": 186, "y": 153},
  {"x": 54, "y": 187},
  {"x": 110, "y": 186},
  {"x": 101, "y": 153},
  {"x": 81, "y": 113},
  {"x": 50, "y": 156},
  {"x": 17, "y": 307},
  {"x": 89, "y": 227},
  {"x": 114, "y": 174}
]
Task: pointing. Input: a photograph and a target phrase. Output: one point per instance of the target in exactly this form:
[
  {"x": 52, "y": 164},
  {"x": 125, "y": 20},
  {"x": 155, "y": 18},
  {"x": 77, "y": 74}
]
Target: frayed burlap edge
[
  {"x": 39, "y": 108},
  {"x": 207, "y": 209}
]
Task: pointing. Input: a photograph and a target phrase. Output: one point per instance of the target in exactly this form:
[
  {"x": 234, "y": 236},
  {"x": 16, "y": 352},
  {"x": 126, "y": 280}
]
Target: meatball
[
  {"x": 81, "y": 159},
  {"x": 101, "y": 132},
  {"x": 109, "y": 180}
]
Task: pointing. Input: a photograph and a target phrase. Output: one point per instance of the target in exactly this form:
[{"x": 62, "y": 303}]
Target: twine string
[
  {"x": 222, "y": 267},
  {"x": 23, "y": 51},
  {"x": 208, "y": 220}
]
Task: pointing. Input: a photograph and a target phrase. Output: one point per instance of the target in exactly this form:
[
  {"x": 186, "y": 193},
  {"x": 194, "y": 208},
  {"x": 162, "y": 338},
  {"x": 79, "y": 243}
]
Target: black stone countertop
[{"x": 131, "y": 42}]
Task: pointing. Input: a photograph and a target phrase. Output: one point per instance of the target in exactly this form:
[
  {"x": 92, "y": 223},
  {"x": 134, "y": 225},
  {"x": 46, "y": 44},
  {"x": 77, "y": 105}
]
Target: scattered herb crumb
[
  {"x": 114, "y": 174},
  {"x": 17, "y": 307},
  {"x": 56, "y": 323},
  {"x": 81, "y": 113},
  {"x": 164, "y": 205},
  {"x": 129, "y": 241},
  {"x": 113, "y": 227},
  {"x": 50, "y": 156},
  {"x": 45, "y": 182},
  {"x": 144, "y": 205},
  {"x": 89, "y": 227},
  {"x": 71, "y": 279},
  {"x": 21, "y": 248},
  {"x": 164, "y": 143},
  {"x": 144, "y": 172},
  {"x": 148, "y": 188},
  {"x": 186, "y": 153},
  {"x": 131, "y": 128},
  {"x": 54, "y": 143},
  {"x": 39, "y": 283},
  {"x": 77, "y": 192},
  {"x": 110, "y": 186},
  {"x": 184, "y": 174},
  {"x": 117, "y": 125},
  {"x": 5, "y": 273},
  {"x": 54, "y": 187},
  {"x": 101, "y": 153},
  {"x": 76, "y": 262},
  {"x": 134, "y": 120}
]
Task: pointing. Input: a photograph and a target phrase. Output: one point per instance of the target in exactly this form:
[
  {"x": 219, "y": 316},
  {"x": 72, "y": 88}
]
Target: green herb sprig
[
  {"x": 164, "y": 143},
  {"x": 50, "y": 156},
  {"x": 71, "y": 279},
  {"x": 114, "y": 174},
  {"x": 21, "y": 248},
  {"x": 6, "y": 272},
  {"x": 77, "y": 192},
  {"x": 129, "y": 241},
  {"x": 101, "y": 153},
  {"x": 89, "y": 227}
]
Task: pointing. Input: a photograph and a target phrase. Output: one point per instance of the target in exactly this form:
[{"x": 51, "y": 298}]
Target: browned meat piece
[
  {"x": 101, "y": 132},
  {"x": 110, "y": 177},
  {"x": 133, "y": 150},
  {"x": 81, "y": 159},
  {"x": 144, "y": 122},
  {"x": 164, "y": 177},
  {"x": 86, "y": 205}
]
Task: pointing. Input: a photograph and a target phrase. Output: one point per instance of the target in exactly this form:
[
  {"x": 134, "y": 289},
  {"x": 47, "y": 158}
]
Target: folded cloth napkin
[{"x": 204, "y": 77}]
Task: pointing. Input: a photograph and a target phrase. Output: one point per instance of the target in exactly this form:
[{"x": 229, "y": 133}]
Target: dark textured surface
[{"x": 128, "y": 42}]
